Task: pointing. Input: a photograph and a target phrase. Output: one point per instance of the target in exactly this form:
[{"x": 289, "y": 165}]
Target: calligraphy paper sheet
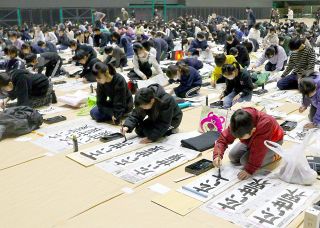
[
  {"x": 160, "y": 79},
  {"x": 105, "y": 151},
  {"x": 150, "y": 161},
  {"x": 209, "y": 185},
  {"x": 51, "y": 110},
  {"x": 59, "y": 137},
  {"x": 278, "y": 95},
  {"x": 253, "y": 203},
  {"x": 282, "y": 208},
  {"x": 72, "y": 85},
  {"x": 295, "y": 98},
  {"x": 297, "y": 135}
]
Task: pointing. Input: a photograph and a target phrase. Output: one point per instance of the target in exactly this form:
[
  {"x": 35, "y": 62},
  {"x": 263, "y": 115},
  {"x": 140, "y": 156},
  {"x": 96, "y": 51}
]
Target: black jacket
[
  {"x": 240, "y": 84},
  {"x": 161, "y": 46},
  {"x": 114, "y": 96},
  {"x": 87, "y": 49},
  {"x": 87, "y": 69},
  {"x": 117, "y": 55},
  {"x": 50, "y": 47},
  {"x": 47, "y": 59},
  {"x": 243, "y": 57},
  {"x": 12, "y": 64},
  {"x": 63, "y": 40},
  {"x": 227, "y": 46},
  {"x": 26, "y": 85},
  {"x": 101, "y": 40},
  {"x": 162, "y": 115}
]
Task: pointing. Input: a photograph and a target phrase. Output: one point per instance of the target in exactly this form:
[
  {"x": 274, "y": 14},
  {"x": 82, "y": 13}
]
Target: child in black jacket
[
  {"x": 239, "y": 85},
  {"x": 33, "y": 90},
  {"x": 87, "y": 61},
  {"x": 164, "y": 114},
  {"x": 49, "y": 60},
  {"x": 114, "y": 99}
]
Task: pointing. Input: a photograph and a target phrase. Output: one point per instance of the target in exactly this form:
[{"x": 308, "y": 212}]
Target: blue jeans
[
  {"x": 227, "y": 101},
  {"x": 288, "y": 82},
  {"x": 99, "y": 116}
]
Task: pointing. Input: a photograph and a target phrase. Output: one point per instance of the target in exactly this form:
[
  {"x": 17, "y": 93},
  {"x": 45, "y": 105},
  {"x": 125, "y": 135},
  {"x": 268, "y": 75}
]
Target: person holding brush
[
  {"x": 156, "y": 114},
  {"x": 114, "y": 99},
  {"x": 252, "y": 128}
]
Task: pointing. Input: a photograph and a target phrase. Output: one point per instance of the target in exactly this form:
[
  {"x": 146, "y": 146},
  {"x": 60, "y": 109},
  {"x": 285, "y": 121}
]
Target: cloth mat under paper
[{"x": 202, "y": 142}]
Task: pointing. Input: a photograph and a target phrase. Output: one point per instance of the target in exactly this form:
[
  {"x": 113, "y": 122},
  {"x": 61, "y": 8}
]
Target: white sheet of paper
[
  {"x": 248, "y": 198},
  {"x": 278, "y": 95},
  {"x": 295, "y": 117},
  {"x": 208, "y": 185},
  {"x": 160, "y": 79},
  {"x": 51, "y": 110},
  {"x": 59, "y": 137},
  {"x": 74, "y": 99},
  {"x": 282, "y": 208},
  {"x": 159, "y": 188},
  {"x": 297, "y": 135},
  {"x": 148, "y": 162},
  {"x": 295, "y": 98},
  {"x": 105, "y": 151}
]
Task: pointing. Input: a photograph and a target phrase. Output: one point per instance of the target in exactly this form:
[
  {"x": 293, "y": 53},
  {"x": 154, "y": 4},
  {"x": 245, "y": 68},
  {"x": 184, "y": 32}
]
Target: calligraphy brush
[
  {"x": 219, "y": 169},
  {"x": 124, "y": 135}
]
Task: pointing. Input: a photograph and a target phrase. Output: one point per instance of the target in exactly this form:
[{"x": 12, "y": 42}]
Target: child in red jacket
[{"x": 252, "y": 127}]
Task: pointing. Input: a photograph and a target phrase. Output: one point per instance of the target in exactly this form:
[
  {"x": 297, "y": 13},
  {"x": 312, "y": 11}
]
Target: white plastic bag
[{"x": 294, "y": 168}]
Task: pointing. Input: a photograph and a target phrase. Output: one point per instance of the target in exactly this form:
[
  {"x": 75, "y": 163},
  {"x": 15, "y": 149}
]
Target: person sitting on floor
[
  {"x": 75, "y": 46},
  {"x": 310, "y": 89},
  {"x": 100, "y": 39},
  {"x": 148, "y": 45},
  {"x": 199, "y": 44},
  {"x": 241, "y": 54},
  {"x": 301, "y": 64},
  {"x": 145, "y": 64},
  {"x": 47, "y": 46},
  {"x": 239, "y": 85},
  {"x": 161, "y": 47},
  {"x": 33, "y": 90},
  {"x": 13, "y": 62},
  {"x": 87, "y": 61},
  {"x": 49, "y": 60},
  {"x": 189, "y": 79},
  {"x": 252, "y": 127},
  {"x": 277, "y": 59},
  {"x": 115, "y": 56},
  {"x": 193, "y": 62},
  {"x": 114, "y": 99},
  {"x": 230, "y": 43},
  {"x": 271, "y": 38},
  {"x": 124, "y": 42},
  {"x": 220, "y": 60},
  {"x": 15, "y": 41},
  {"x": 63, "y": 40},
  {"x": 162, "y": 111},
  {"x": 28, "y": 49}
]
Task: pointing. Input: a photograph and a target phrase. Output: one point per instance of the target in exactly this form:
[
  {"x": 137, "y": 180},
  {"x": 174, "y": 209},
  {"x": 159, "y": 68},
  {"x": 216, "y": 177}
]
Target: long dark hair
[
  {"x": 4, "y": 79},
  {"x": 272, "y": 50},
  {"x": 173, "y": 69},
  {"x": 102, "y": 69},
  {"x": 144, "y": 96},
  {"x": 230, "y": 68}
]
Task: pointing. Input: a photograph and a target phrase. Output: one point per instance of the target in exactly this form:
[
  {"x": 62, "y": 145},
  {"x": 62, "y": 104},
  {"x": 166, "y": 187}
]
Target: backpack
[{"x": 18, "y": 121}]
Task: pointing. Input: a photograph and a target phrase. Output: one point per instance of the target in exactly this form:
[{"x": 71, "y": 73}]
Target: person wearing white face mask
[
  {"x": 239, "y": 85},
  {"x": 199, "y": 44},
  {"x": 145, "y": 64},
  {"x": 188, "y": 78}
]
